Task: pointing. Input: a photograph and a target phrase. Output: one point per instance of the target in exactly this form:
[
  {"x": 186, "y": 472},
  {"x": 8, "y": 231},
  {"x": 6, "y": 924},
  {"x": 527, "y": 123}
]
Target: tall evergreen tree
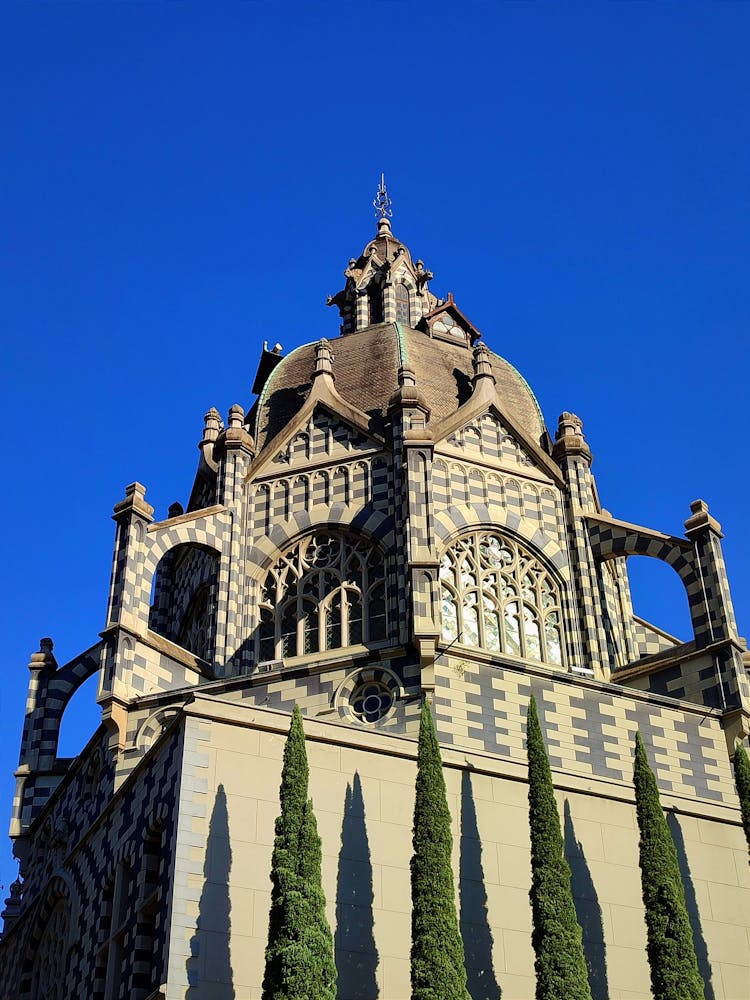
[
  {"x": 437, "y": 951},
  {"x": 299, "y": 954},
  {"x": 671, "y": 952},
  {"x": 742, "y": 777},
  {"x": 312, "y": 973},
  {"x": 560, "y": 964}
]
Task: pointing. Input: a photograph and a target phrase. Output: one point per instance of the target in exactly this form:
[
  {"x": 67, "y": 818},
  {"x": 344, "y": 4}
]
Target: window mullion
[{"x": 344, "y": 616}]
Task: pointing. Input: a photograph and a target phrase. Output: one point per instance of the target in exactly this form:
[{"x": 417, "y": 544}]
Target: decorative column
[
  {"x": 130, "y": 594},
  {"x": 588, "y": 640},
  {"x": 38, "y": 742},
  {"x": 713, "y": 620},
  {"x": 413, "y": 454},
  {"x": 233, "y": 451},
  {"x": 710, "y": 603},
  {"x": 128, "y": 610}
]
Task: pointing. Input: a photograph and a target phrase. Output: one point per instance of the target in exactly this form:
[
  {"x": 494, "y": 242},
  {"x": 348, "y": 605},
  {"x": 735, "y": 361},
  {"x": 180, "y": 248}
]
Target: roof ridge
[{"x": 403, "y": 352}]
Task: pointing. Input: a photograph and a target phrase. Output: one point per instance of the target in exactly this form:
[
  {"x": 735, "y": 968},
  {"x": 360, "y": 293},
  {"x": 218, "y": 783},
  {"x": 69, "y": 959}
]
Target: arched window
[
  {"x": 49, "y": 960},
  {"x": 196, "y": 631},
  {"x": 496, "y": 595},
  {"x": 326, "y": 592},
  {"x": 402, "y": 304},
  {"x": 375, "y": 302}
]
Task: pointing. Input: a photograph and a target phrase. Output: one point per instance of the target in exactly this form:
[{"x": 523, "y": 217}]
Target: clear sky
[{"x": 180, "y": 182}]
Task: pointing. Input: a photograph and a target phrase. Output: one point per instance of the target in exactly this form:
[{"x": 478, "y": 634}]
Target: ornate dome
[
  {"x": 391, "y": 321},
  {"x": 366, "y": 366}
]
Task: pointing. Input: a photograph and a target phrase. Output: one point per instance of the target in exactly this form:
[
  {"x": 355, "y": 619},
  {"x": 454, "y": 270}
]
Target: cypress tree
[
  {"x": 310, "y": 970},
  {"x": 299, "y": 954},
  {"x": 437, "y": 951},
  {"x": 560, "y": 964},
  {"x": 742, "y": 778},
  {"x": 671, "y": 952}
]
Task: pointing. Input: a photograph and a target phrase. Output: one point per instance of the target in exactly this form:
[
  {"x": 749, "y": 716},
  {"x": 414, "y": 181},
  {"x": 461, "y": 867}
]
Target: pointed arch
[
  {"x": 53, "y": 935},
  {"x": 183, "y": 607},
  {"x": 496, "y": 594},
  {"x": 328, "y": 590}
]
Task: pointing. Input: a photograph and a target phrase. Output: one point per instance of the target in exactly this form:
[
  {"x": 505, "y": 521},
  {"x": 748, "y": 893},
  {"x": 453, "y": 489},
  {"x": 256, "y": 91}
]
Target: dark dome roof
[{"x": 366, "y": 367}]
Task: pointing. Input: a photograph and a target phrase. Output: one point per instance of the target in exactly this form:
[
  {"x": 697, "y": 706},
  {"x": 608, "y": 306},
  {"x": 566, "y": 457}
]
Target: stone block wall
[{"x": 362, "y": 785}]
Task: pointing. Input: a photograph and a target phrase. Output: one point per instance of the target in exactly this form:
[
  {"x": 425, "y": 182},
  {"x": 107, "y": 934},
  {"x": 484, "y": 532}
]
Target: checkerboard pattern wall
[
  {"x": 92, "y": 853},
  {"x": 50, "y": 690},
  {"x": 491, "y": 442},
  {"x": 589, "y": 730},
  {"x": 649, "y": 639}
]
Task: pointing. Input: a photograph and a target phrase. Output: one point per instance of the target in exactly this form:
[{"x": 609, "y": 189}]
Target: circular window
[
  {"x": 368, "y": 696},
  {"x": 371, "y": 701}
]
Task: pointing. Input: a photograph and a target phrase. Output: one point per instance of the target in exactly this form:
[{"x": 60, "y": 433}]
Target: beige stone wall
[{"x": 365, "y": 824}]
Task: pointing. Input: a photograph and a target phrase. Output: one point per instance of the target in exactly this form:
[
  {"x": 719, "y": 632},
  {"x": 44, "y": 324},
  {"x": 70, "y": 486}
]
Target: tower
[{"x": 390, "y": 520}]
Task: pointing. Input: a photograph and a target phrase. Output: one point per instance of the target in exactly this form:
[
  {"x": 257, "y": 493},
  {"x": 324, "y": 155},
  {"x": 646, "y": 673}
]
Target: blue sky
[{"x": 180, "y": 182}]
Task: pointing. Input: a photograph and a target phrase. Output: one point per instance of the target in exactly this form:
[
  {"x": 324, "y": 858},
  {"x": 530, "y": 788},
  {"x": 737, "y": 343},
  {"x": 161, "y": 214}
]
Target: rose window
[
  {"x": 368, "y": 695},
  {"x": 371, "y": 701}
]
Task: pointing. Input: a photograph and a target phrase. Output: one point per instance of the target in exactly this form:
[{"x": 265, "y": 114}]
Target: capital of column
[
  {"x": 134, "y": 503},
  {"x": 701, "y": 521},
  {"x": 44, "y": 658}
]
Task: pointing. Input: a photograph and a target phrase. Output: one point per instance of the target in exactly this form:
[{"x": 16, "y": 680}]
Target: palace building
[{"x": 390, "y": 520}]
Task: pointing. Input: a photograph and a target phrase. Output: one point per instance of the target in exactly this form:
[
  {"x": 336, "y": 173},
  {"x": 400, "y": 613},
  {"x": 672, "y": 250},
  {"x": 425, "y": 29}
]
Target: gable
[
  {"x": 487, "y": 439},
  {"x": 325, "y": 437},
  {"x": 447, "y": 322}
]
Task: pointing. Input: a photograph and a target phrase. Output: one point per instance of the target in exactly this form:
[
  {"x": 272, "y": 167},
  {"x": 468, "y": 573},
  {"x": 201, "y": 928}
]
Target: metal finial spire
[{"x": 382, "y": 203}]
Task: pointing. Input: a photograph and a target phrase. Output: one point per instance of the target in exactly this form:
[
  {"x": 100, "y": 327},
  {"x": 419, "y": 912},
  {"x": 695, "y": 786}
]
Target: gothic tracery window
[
  {"x": 326, "y": 592},
  {"x": 496, "y": 595}
]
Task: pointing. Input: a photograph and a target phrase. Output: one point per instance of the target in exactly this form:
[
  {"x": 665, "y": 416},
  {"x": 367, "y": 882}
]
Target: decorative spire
[
  {"x": 236, "y": 416},
  {"x": 323, "y": 359},
  {"x": 701, "y": 519},
  {"x": 212, "y": 426},
  {"x": 45, "y": 657},
  {"x": 383, "y": 272},
  {"x": 382, "y": 203},
  {"x": 569, "y": 439},
  {"x": 482, "y": 363}
]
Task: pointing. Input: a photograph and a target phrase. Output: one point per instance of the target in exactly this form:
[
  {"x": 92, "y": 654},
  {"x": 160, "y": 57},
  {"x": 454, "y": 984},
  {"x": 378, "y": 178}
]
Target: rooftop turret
[{"x": 383, "y": 284}]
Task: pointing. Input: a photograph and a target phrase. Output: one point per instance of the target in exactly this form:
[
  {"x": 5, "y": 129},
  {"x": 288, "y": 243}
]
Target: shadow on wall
[
  {"x": 473, "y": 919},
  {"x": 209, "y": 969},
  {"x": 699, "y": 942},
  {"x": 356, "y": 952},
  {"x": 588, "y": 910}
]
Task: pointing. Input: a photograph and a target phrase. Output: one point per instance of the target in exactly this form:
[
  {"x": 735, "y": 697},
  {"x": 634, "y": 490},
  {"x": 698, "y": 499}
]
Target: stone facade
[{"x": 391, "y": 520}]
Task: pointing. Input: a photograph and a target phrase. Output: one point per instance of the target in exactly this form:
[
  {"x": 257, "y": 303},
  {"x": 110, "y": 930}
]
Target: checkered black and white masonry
[{"x": 390, "y": 520}]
